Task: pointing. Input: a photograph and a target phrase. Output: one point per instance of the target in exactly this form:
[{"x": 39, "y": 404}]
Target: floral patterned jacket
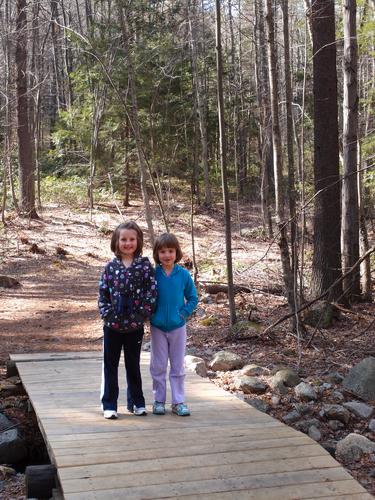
[{"x": 127, "y": 295}]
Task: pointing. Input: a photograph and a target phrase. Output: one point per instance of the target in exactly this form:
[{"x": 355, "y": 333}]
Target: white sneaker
[
  {"x": 139, "y": 410},
  {"x": 110, "y": 414}
]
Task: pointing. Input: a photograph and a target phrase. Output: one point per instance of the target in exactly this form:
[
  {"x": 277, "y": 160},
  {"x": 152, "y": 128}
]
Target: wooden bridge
[{"x": 225, "y": 450}]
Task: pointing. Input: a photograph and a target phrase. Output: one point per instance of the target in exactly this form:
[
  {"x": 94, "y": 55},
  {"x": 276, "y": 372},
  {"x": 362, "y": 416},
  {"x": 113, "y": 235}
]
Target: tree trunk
[
  {"x": 278, "y": 160},
  {"x": 326, "y": 267},
  {"x": 25, "y": 149},
  {"x": 223, "y": 164},
  {"x": 350, "y": 211}
]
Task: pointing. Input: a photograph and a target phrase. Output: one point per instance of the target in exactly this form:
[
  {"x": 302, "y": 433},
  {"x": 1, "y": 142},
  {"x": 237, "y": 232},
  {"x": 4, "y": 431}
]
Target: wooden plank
[
  {"x": 331, "y": 479},
  {"x": 189, "y": 475},
  {"x": 226, "y": 445},
  {"x": 246, "y": 454},
  {"x": 176, "y": 463}
]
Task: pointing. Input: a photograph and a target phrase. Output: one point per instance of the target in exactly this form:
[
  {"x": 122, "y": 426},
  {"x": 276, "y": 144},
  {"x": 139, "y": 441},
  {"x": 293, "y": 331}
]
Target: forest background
[{"x": 246, "y": 127}]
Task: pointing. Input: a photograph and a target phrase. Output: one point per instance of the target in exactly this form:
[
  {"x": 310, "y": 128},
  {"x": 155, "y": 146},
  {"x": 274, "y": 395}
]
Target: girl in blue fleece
[{"x": 176, "y": 300}]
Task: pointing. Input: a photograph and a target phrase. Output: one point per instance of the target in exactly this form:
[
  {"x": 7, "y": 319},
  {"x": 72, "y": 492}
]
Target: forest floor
[{"x": 58, "y": 259}]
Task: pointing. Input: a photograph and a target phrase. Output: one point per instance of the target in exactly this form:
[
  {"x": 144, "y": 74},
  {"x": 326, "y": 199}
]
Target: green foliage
[{"x": 70, "y": 191}]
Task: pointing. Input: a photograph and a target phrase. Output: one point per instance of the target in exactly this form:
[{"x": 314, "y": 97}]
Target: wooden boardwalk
[{"x": 225, "y": 450}]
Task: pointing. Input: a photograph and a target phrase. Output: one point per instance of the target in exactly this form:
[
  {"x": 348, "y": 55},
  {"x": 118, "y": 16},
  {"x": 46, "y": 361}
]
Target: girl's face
[
  {"x": 167, "y": 256},
  {"x": 127, "y": 243}
]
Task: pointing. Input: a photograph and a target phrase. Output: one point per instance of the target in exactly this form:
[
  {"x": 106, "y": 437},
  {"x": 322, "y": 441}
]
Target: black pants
[{"x": 131, "y": 343}]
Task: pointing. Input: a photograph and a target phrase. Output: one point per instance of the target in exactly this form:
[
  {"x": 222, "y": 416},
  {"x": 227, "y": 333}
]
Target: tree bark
[
  {"x": 223, "y": 164},
  {"x": 25, "y": 149},
  {"x": 350, "y": 210},
  {"x": 326, "y": 267}
]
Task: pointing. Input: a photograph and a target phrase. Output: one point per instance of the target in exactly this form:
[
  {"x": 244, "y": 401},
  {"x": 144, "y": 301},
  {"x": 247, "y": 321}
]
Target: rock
[
  {"x": 277, "y": 386},
  {"x": 334, "y": 378},
  {"x": 330, "y": 445},
  {"x": 275, "y": 400},
  {"x": 259, "y": 404},
  {"x": 319, "y": 314},
  {"x": 8, "y": 282},
  {"x": 305, "y": 392},
  {"x": 196, "y": 365},
  {"x": 337, "y": 396},
  {"x": 353, "y": 446},
  {"x": 225, "y": 360},
  {"x": 254, "y": 370},
  {"x": 359, "y": 409},
  {"x": 361, "y": 379},
  {"x": 335, "y": 412},
  {"x": 326, "y": 386},
  {"x": 6, "y": 471},
  {"x": 314, "y": 433},
  {"x": 207, "y": 299},
  {"x": 304, "y": 425},
  {"x": 336, "y": 425},
  {"x": 12, "y": 447},
  {"x": 250, "y": 385},
  {"x": 288, "y": 377},
  {"x": 291, "y": 417},
  {"x": 302, "y": 408},
  {"x": 146, "y": 346},
  {"x": 371, "y": 425}
]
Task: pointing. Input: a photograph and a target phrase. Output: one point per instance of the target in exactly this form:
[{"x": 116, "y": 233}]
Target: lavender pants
[{"x": 168, "y": 345}]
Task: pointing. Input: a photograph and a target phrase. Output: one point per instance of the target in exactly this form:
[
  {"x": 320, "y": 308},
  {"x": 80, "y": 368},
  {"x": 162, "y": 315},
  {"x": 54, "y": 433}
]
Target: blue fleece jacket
[{"x": 176, "y": 300}]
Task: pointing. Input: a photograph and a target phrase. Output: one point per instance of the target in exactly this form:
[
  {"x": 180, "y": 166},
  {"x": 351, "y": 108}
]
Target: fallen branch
[{"x": 324, "y": 294}]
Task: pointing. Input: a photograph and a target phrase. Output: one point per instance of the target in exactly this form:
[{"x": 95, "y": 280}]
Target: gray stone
[
  {"x": 302, "y": 408},
  {"x": 250, "y": 385},
  {"x": 305, "y": 392},
  {"x": 326, "y": 386},
  {"x": 335, "y": 412},
  {"x": 330, "y": 445},
  {"x": 275, "y": 400},
  {"x": 371, "y": 425},
  {"x": 315, "y": 433},
  {"x": 146, "y": 346},
  {"x": 12, "y": 447},
  {"x": 361, "y": 379},
  {"x": 225, "y": 360},
  {"x": 334, "y": 377},
  {"x": 337, "y": 396},
  {"x": 196, "y": 365},
  {"x": 254, "y": 370},
  {"x": 259, "y": 404},
  {"x": 288, "y": 377},
  {"x": 277, "y": 386},
  {"x": 353, "y": 447},
  {"x": 359, "y": 409},
  {"x": 336, "y": 425},
  {"x": 291, "y": 417},
  {"x": 304, "y": 425}
]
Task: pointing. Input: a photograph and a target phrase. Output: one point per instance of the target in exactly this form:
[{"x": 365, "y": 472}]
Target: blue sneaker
[
  {"x": 181, "y": 410},
  {"x": 158, "y": 408}
]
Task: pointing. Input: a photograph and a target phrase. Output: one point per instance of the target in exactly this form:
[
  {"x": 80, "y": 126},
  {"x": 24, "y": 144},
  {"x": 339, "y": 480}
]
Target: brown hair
[
  {"x": 116, "y": 235},
  {"x": 166, "y": 240}
]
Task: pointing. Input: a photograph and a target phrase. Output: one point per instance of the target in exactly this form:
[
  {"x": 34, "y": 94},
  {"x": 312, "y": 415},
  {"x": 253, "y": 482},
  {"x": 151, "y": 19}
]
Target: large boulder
[
  {"x": 12, "y": 447},
  {"x": 359, "y": 409},
  {"x": 335, "y": 412},
  {"x": 361, "y": 379},
  {"x": 288, "y": 377},
  {"x": 196, "y": 364},
  {"x": 225, "y": 361},
  {"x": 250, "y": 385},
  {"x": 353, "y": 446}
]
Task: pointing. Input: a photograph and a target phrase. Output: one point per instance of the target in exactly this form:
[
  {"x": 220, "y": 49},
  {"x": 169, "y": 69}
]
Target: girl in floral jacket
[{"x": 127, "y": 296}]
